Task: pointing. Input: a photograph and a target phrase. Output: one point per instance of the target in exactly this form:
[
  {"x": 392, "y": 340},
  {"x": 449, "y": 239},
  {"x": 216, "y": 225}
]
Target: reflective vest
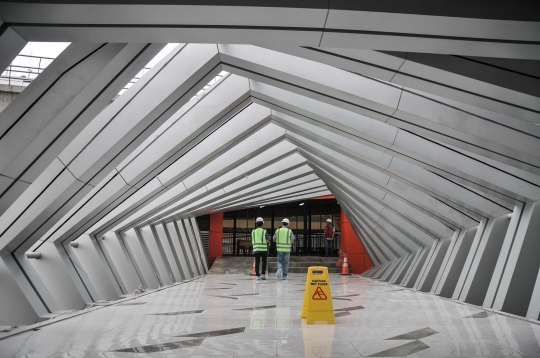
[
  {"x": 258, "y": 240},
  {"x": 283, "y": 239}
]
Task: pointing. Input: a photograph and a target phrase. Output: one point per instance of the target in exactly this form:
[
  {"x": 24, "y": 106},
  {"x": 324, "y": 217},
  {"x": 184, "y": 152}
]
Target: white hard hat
[
  {"x": 329, "y": 221},
  {"x": 286, "y": 221},
  {"x": 259, "y": 220}
]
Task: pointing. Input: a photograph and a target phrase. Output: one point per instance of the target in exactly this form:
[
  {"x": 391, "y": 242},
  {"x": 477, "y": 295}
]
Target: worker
[
  {"x": 284, "y": 239},
  {"x": 329, "y": 233},
  {"x": 258, "y": 240}
]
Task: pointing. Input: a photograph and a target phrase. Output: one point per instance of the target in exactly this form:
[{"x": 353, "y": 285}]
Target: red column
[
  {"x": 216, "y": 237},
  {"x": 356, "y": 255}
]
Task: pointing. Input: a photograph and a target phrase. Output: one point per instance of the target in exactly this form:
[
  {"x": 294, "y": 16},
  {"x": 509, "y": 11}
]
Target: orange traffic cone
[
  {"x": 253, "y": 273},
  {"x": 345, "y": 268}
]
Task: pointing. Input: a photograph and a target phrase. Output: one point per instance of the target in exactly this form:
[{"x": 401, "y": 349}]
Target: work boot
[
  {"x": 279, "y": 273},
  {"x": 263, "y": 277}
]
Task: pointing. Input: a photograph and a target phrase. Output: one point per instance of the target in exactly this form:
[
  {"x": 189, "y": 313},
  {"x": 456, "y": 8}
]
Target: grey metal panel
[
  {"x": 140, "y": 259},
  {"x": 178, "y": 253},
  {"x": 434, "y": 265},
  {"x": 55, "y": 275},
  {"x": 166, "y": 251},
  {"x": 195, "y": 14},
  {"x": 155, "y": 255},
  {"x": 455, "y": 264},
  {"x": 62, "y": 101},
  {"x": 398, "y": 280},
  {"x": 534, "y": 305},
  {"x": 30, "y": 284},
  {"x": 123, "y": 260},
  {"x": 11, "y": 44},
  {"x": 483, "y": 266},
  {"x": 416, "y": 268},
  {"x": 502, "y": 258},
  {"x": 78, "y": 275},
  {"x": 519, "y": 279},
  {"x": 194, "y": 269},
  {"x": 423, "y": 270},
  {"x": 110, "y": 267},
  {"x": 392, "y": 270},
  {"x": 467, "y": 265},
  {"x": 170, "y": 252},
  {"x": 198, "y": 239},
  {"x": 400, "y": 268}
]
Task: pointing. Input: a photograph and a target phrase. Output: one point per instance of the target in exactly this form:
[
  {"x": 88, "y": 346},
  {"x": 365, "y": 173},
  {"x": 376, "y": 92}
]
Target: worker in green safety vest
[
  {"x": 258, "y": 240},
  {"x": 284, "y": 239}
]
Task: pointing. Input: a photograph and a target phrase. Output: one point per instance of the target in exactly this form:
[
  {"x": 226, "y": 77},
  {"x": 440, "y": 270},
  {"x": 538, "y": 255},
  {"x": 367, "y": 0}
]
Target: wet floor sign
[{"x": 318, "y": 307}]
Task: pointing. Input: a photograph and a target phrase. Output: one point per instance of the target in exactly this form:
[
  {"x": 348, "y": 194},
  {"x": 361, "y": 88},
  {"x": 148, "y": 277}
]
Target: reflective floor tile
[
  {"x": 275, "y": 334},
  {"x": 367, "y": 347},
  {"x": 317, "y": 348},
  {"x": 237, "y": 347},
  {"x": 529, "y": 347},
  {"x": 471, "y": 348}
]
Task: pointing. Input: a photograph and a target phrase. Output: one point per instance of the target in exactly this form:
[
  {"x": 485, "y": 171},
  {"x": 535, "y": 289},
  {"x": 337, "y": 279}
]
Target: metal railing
[
  {"x": 19, "y": 73},
  {"x": 314, "y": 246}
]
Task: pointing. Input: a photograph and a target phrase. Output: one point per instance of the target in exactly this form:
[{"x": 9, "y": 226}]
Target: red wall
[
  {"x": 356, "y": 255},
  {"x": 216, "y": 237}
]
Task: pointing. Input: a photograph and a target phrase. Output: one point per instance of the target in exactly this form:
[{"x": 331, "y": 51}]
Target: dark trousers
[
  {"x": 258, "y": 256},
  {"x": 329, "y": 247}
]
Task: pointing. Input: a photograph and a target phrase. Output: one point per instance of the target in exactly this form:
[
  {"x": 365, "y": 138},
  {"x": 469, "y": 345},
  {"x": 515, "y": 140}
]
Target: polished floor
[{"x": 231, "y": 315}]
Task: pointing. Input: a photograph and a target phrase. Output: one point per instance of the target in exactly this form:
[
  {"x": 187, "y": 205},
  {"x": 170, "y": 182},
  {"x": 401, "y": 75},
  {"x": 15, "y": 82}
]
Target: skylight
[{"x": 30, "y": 62}]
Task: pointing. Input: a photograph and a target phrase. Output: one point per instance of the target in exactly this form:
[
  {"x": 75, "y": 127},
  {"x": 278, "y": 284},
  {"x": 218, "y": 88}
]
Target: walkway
[{"x": 224, "y": 315}]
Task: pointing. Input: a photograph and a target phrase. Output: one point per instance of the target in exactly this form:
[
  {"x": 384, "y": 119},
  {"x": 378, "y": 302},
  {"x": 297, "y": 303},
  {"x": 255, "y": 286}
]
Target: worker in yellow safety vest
[
  {"x": 258, "y": 240},
  {"x": 284, "y": 239}
]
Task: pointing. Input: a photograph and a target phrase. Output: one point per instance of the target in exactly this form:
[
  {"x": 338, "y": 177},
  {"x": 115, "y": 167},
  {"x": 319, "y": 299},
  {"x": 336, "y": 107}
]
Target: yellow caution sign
[{"x": 318, "y": 307}]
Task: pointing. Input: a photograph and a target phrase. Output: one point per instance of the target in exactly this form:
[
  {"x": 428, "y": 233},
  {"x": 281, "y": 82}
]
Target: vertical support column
[
  {"x": 426, "y": 283},
  {"x": 198, "y": 240},
  {"x": 170, "y": 251},
  {"x": 170, "y": 229},
  {"x": 15, "y": 306},
  {"x": 216, "y": 236},
  {"x": 187, "y": 248},
  {"x": 503, "y": 256},
  {"x": 148, "y": 242},
  {"x": 77, "y": 273},
  {"x": 520, "y": 275},
  {"x": 534, "y": 306},
  {"x": 481, "y": 271},
  {"x": 192, "y": 242},
  {"x": 113, "y": 244},
  {"x": 110, "y": 267},
  {"x": 456, "y": 262},
  {"x": 356, "y": 255},
  {"x": 87, "y": 256},
  {"x": 164, "y": 258},
  {"x": 55, "y": 275},
  {"x": 30, "y": 284},
  {"x": 470, "y": 257},
  {"x": 140, "y": 258}
]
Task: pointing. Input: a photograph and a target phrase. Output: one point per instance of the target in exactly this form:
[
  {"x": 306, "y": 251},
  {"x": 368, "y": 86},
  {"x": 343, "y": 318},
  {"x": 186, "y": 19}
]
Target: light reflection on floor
[{"x": 251, "y": 319}]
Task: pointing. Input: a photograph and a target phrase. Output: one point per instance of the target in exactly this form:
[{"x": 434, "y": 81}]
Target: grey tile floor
[{"x": 250, "y": 319}]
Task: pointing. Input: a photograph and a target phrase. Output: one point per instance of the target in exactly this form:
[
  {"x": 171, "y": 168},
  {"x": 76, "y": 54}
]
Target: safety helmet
[
  {"x": 329, "y": 220},
  {"x": 285, "y": 221},
  {"x": 259, "y": 220}
]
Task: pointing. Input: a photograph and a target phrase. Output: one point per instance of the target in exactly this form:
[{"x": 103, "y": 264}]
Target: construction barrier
[{"x": 318, "y": 307}]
